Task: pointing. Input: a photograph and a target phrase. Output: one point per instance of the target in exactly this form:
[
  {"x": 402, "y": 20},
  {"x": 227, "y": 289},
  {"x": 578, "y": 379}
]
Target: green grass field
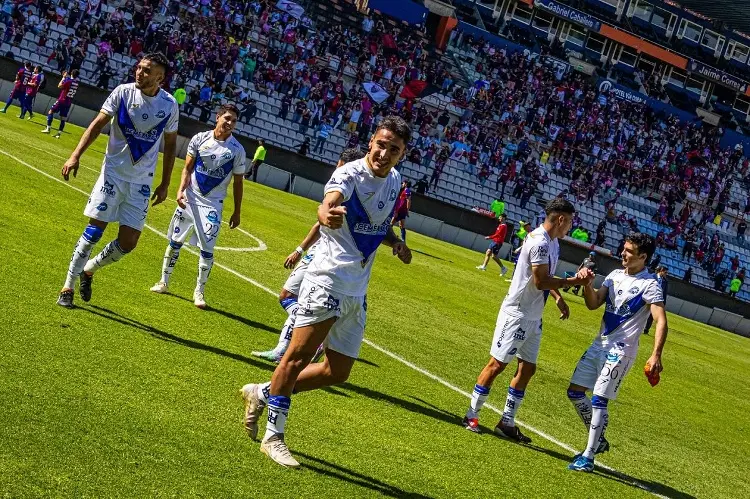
[{"x": 136, "y": 394}]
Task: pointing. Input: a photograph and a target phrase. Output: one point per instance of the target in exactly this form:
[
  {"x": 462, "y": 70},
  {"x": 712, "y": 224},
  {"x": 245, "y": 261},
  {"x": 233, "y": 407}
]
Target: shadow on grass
[
  {"x": 366, "y": 362},
  {"x": 325, "y": 468},
  {"x": 234, "y": 317},
  {"x": 165, "y": 336},
  {"x": 430, "y": 256}
]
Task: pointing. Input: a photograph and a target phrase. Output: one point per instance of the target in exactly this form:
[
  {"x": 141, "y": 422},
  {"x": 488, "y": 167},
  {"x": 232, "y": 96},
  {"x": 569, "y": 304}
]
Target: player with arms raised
[
  {"x": 140, "y": 114},
  {"x": 32, "y": 88},
  {"x": 518, "y": 331},
  {"x": 213, "y": 159},
  {"x": 355, "y": 218},
  {"x": 630, "y": 296},
  {"x": 68, "y": 87},
  {"x": 19, "y": 87},
  {"x": 290, "y": 291}
]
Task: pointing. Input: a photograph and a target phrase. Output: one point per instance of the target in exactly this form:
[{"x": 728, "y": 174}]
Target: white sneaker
[
  {"x": 481, "y": 267},
  {"x": 253, "y": 409},
  {"x": 503, "y": 271},
  {"x": 46, "y": 130},
  {"x": 199, "y": 301},
  {"x": 276, "y": 449},
  {"x": 57, "y": 135},
  {"x": 160, "y": 288}
]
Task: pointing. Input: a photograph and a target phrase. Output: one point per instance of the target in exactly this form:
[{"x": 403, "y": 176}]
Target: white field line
[{"x": 382, "y": 350}]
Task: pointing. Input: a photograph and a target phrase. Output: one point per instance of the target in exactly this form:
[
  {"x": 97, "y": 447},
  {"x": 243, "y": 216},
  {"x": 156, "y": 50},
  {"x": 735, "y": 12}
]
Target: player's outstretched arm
[
  {"x": 594, "y": 298},
  {"x": 237, "y": 189},
  {"x": 311, "y": 238},
  {"x": 88, "y": 138},
  {"x": 660, "y": 318},
  {"x": 330, "y": 212},
  {"x": 170, "y": 150},
  {"x": 544, "y": 281}
]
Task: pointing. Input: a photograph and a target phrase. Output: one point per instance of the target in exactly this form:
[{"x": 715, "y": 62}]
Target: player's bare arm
[
  {"x": 660, "y": 318},
  {"x": 187, "y": 172},
  {"x": 311, "y": 238},
  {"x": 400, "y": 249},
  {"x": 562, "y": 305},
  {"x": 88, "y": 138},
  {"x": 594, "y": 298},
  {"x": 237, "y": 190},
  {"x": 544, "y": 281},
  {"x": 170, "y": 149},
  {"x": 330, "y": 212}
]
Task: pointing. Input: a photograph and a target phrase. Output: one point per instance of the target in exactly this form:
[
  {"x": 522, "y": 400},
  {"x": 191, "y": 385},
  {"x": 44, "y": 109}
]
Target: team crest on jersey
[
  {"x": 144, "y": 116},
  {"x": 161, "y": 114},
  {"x": 213, "y": 217},
  {"x": 102, "y": 207},
  {"x": 612, "y": 357},
  {"x": 634, "y": 290},
  {"x": 145, "y": 190},
  {"x": 381, "y": 205}
]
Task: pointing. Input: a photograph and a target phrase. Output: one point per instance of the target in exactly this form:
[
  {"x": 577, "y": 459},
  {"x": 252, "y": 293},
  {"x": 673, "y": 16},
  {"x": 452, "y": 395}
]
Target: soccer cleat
[
  {"x": 503, "y": 271},
  {"x": 3, "y": 111},
  {"x": 318, "y": 354},
  {"x": 512, "y": 433},
  {"x": 471, "y": 424},
  {"x": 481, "y": 267},
  {"x": 160, "y": 288},
  {"x": 276, "y": 449},
  {"x": 582, "y": 463},
  {"x": 58, "y": 134},
  {"x": 601, "y": 448},
  {"x": 269, "y": 355},
  {"x": 199, "y": 300},
  {"x": 253, "y": 409},
  {"x": 84, "y": 289},
  {"x": 46, "y": 130},
  {"x": 66, "y": 298}
]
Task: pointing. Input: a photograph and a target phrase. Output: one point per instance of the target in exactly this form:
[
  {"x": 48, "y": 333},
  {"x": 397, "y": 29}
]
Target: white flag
[
  {"x": 294, "y": 9},
  {"x": 377, "y": 92}
]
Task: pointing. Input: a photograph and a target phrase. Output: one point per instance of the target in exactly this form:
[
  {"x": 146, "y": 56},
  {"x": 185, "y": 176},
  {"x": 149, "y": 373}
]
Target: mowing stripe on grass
[{"x": 382, "y": 350}]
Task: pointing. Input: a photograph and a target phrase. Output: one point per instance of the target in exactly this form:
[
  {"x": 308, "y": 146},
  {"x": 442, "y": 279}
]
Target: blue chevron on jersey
[
  {"x": 615, "y": 316},
  {"x": 206, "y": 179},
  {"x": 139, "y": 142},
  {"x": 367, "y": 236}
]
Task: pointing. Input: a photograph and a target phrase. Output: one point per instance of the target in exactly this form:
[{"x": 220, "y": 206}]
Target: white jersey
[
  {"x": 138, "y": 123},
  {"x": 524, "y": 300},
  {"x": 627, "y": 309},
  {"x": 215, "y": 163},
  {"x": 343, "y": 258}
]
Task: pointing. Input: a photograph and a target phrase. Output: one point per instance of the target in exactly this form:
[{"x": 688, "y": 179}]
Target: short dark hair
[
  {"x": 644, "y": 242},
  {"x": 228, "y": 108},
  {"x": 27, "y": 64},
  {"x": 74, "y": 73},
  {"x": 397, "y": 126},
  {"x": 559, "y": 205},
  {"x": 261, "y": 142},
  {"x": 408, "y": 183},
  {"x": 38, "y": 68},
  {"x": 157, "y": 58},
  {"x": 351, "y": 154}
]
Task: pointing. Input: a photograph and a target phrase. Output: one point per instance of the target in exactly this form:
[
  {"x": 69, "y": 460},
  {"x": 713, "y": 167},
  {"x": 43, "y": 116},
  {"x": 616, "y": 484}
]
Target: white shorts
[
  {"x": 294, "y": 281},
  {"x": 202, "y": 219},
  {"x": 602, "y": 370},
  {"x": 317, "y": 304},
  {"x": 516, "y": 337},
  {"x": 115, "y": 200}
]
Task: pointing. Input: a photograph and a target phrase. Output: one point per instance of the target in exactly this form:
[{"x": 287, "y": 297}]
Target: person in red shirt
[
  {"x": 19, "y": 87},
  {"x": 496, "y": 242}
]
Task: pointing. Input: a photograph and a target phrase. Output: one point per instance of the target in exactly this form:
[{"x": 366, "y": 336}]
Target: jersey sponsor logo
[
  {"x": 519, "y": 335},
  {"x": 368, "y": 228},
  {"x": 208, "y": 178},
  {"x": 367, "y": 235},
  {"x": 145, "y": 190},
  {"x": 513, "y": 351},
  {"x": 612, "y": 357},
  {"x": 108, "y": 189},
  {"x": 102, "y": 207},
  {"x": 213, "y": 217},
  {"x": 331, "y": 303},
  {"x": 539, "y": 252},
  {"x": 176, "y": 230}
]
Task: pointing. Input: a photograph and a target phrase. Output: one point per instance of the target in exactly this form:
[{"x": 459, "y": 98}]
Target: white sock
[
  {"x": 111, "y": 253},
  {"x": 599, "y": 421},
  {"x": 278, "y": 411},
  {"x": 81, "y": 253},
  {"x": 205, "y": 262},
  {"x": 478, "y": 398},
  {"x": 512, "y": 403},
  {"x": 582, "y": 405},
  {"x": 171, "y": 255},
  {"x": 291, "y": 306},
  {"x": 264, "y": 391}
]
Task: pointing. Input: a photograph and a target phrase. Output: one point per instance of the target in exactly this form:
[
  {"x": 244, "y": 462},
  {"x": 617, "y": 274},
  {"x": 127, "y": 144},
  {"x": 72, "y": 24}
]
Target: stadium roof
[{"x": 733, "y": 12}]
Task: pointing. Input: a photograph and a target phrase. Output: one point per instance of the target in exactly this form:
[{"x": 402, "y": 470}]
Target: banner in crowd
[
  {"x": 620, "y": 91},
  {"x": 295, "y": 10},
  {"x": 571, "y": 14},
  {"x": 418, "y": 88},
  {"x": 719, "y": 76},
  {"x": 376, "y": 92}
]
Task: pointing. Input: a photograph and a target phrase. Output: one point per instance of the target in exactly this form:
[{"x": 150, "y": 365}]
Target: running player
[
  {"x": 140, "y": 113},
  {"x": 213, "y": 159},
  {"x": 290, "y": 291},
  {"x": 403, "y": 207},
  {"x": 19, "y": 87},
  {"x": 518, "y": 331},
  {"x": 35, "y": 83},
  {"x": 355, "y": 217},
  {"x": 68, "y": 87},
  {"x": 496, "y": 242},
  {"x": 631, "y": 295}
]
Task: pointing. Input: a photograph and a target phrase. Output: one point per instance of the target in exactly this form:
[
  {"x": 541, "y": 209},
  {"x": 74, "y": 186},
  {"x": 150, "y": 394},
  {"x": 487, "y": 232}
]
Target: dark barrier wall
[
  {"x": 405, "y": 10},
  {"x": 92, "y": 98}
]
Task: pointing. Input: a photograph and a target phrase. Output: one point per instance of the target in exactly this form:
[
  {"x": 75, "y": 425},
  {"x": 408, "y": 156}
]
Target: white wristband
[{"x": 300, "y": 250}]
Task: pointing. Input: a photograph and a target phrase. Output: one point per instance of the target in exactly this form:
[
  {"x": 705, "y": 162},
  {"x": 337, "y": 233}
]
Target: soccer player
[
  {"x": 290, "y": 292},
  {"x": 518, "y": 331},
  {"x": 140, "y": 114},
  {"x": 355, "y": 219},
  {"x": 32, "y": 88},
  {"x": 214, "y": 158},
  {"x": 19, "y": 87},
  {"x": 631, "y": 295},
  {"x": 68, "y": 87},
  {"x": 403, "y": 207},
  {"x": 496, "y": 242}
]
